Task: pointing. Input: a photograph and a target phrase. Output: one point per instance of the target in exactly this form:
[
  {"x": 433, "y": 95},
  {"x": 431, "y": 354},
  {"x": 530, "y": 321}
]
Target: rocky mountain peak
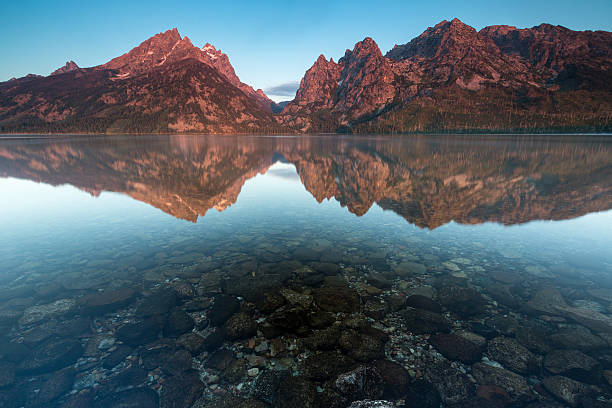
[
  {"x": 149, "y": 54},
  {"x": 365, "y": 81},
  {"x": 321, "y": 59},
  {"x": 444, "y": 37},
  {"x": 70, "y": 66},
  {"x": 211, "y": 51},
  {"x": 319, "y": 83},
  {"x": 365, "y": 48},
  {"x": 168, "y": 47}
]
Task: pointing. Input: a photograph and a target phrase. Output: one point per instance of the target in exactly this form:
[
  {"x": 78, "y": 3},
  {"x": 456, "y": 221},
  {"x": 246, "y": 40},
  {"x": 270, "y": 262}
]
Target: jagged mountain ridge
[
  {"x": 453, "y": 77},
  {"x": 168, "y": 47},
  {"x": 70, "y": 66},
  {"x": 164, "y": 85}
]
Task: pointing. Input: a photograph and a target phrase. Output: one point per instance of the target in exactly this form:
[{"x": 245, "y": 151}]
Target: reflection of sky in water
[{"x": 43, "y": 225}]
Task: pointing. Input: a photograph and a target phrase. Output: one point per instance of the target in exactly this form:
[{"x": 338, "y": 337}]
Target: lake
[{"x": 310, "y": 271}]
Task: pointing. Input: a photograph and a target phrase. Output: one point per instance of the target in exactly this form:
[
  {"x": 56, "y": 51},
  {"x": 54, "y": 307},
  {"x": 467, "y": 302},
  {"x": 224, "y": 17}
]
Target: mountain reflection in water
[
  {"x": 424, "y": 271},
  {"x": 429, "y": 182}
]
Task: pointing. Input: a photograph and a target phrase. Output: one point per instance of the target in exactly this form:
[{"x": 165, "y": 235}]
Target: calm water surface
[{"x": 423, "y": 271}]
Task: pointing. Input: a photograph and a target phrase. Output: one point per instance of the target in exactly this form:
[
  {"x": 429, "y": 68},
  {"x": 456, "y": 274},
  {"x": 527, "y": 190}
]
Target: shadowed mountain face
[
  {"x": 165, "y": 85},
  {"x": 453, "y": 77},
  {"x": 429, "y": 182}
]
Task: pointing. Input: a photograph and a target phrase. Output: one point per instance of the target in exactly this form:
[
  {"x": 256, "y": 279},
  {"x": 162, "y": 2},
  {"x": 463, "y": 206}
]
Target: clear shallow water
[{"x": 317, "y": 257}]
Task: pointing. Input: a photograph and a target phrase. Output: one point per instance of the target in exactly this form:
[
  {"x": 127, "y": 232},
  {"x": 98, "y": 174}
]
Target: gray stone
[
  {"x": 408, "y": 268},
  {"x": 545, "y": 301},
  {"x": 455, "y": 347},
  {"x": 192, "y": 342},
  {"x": 595, "y": 321},
  {"x": 362, "y": 346},
  {"x": 337, "y": 299},
  {"x": 223, "y": 307},
  {"x": 105, "y": 302},
  {"x": 515, "y": 385},
  {"x": 452, "y": 385},
  {"x": 240, "y": 326},
  {"x": 296, "y": 298},
  {"x": 178, "y": 322},
  {"x": 324, "y": 365},
  {"x": 363, "y": 382},
  {"x": 565, "y": 389},
  {"x": 424, "y": 322},
  {"x": 372, "y": 404},
  {"x": 38, "y": 313},
  {"x": 50, "y": 356},
  {"x": 574, "y": 364},
  {"x": 513, "y": 355},
  {"x": 58, "y": 384}
]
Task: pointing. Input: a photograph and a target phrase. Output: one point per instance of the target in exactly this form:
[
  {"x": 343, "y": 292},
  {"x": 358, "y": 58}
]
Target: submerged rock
[
  {"x": 408, "y": 268},
  {"x": 140, "y": 333},
  {"x": 363, "y": 382},
  {"x": 158, "y": 303},
  {"x": 565, "y": 389},
  {"x": 50, "y": 356},
  {"x": 325, "y": 365},
  {"x": 135, "y": 397},
  {"x": 423, "y": 303},
  {"x": 455, "y": 347},
  {"x": 515, "y": 385},
  {"x": 372, "y": 404},
  {"x": 56, "y": 385},
  {"x": 267, "y": 385},
  {"x": 214, "y": 339},
  {"x": 228, "y": 401},
  {"x": 223, "y": 307},
  {"x": 192, "y": 342},
  {"x": 105, "y": 302},
  {"x": 493, "y": 395},
  {"x": 425, "y": 322},
  {"x": 337, "y": 299},
  {"x": 38, "y": 313},
  {"x": 422, "y": 394},
  {"x": 573, "y": 364},
  {"x": 295, "y": 298},
  {"x": 545, "y": 301},
  {"x": 181, "y": 391},
  {"x": 178, "y": 322},
  {"x": 395, "y": 377},
  {"x": 465, "y": 302},
  {"x": 13, "y": 352},
  {"x": 117, "y": 356},
  {"x": 579, "y": 338},
  {"x": 595, "y": 321},
  {"x": 240, "y": 326},
  {"x": 452, "y": 385},
  {"x": 536, "y": 339},
  {"x": 512, "y": 355},
  {"x": 296, "y": 392},
  {"x": 361, "y": 346}
]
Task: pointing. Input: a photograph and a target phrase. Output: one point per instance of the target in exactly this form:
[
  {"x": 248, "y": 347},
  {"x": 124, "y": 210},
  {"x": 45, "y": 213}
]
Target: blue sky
[{"x": 269, "y": 43}]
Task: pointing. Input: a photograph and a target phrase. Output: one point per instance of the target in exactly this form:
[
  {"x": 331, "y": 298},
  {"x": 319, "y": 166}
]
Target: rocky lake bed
[{"x": 311, "y": 325}]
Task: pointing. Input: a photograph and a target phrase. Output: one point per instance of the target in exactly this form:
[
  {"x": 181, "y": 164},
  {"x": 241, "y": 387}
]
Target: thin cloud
[{"x": 287, "y": 89}]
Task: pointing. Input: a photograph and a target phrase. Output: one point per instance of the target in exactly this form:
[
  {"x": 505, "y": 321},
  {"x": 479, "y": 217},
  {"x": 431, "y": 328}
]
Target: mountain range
[{"x": 451, "y": 78}]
